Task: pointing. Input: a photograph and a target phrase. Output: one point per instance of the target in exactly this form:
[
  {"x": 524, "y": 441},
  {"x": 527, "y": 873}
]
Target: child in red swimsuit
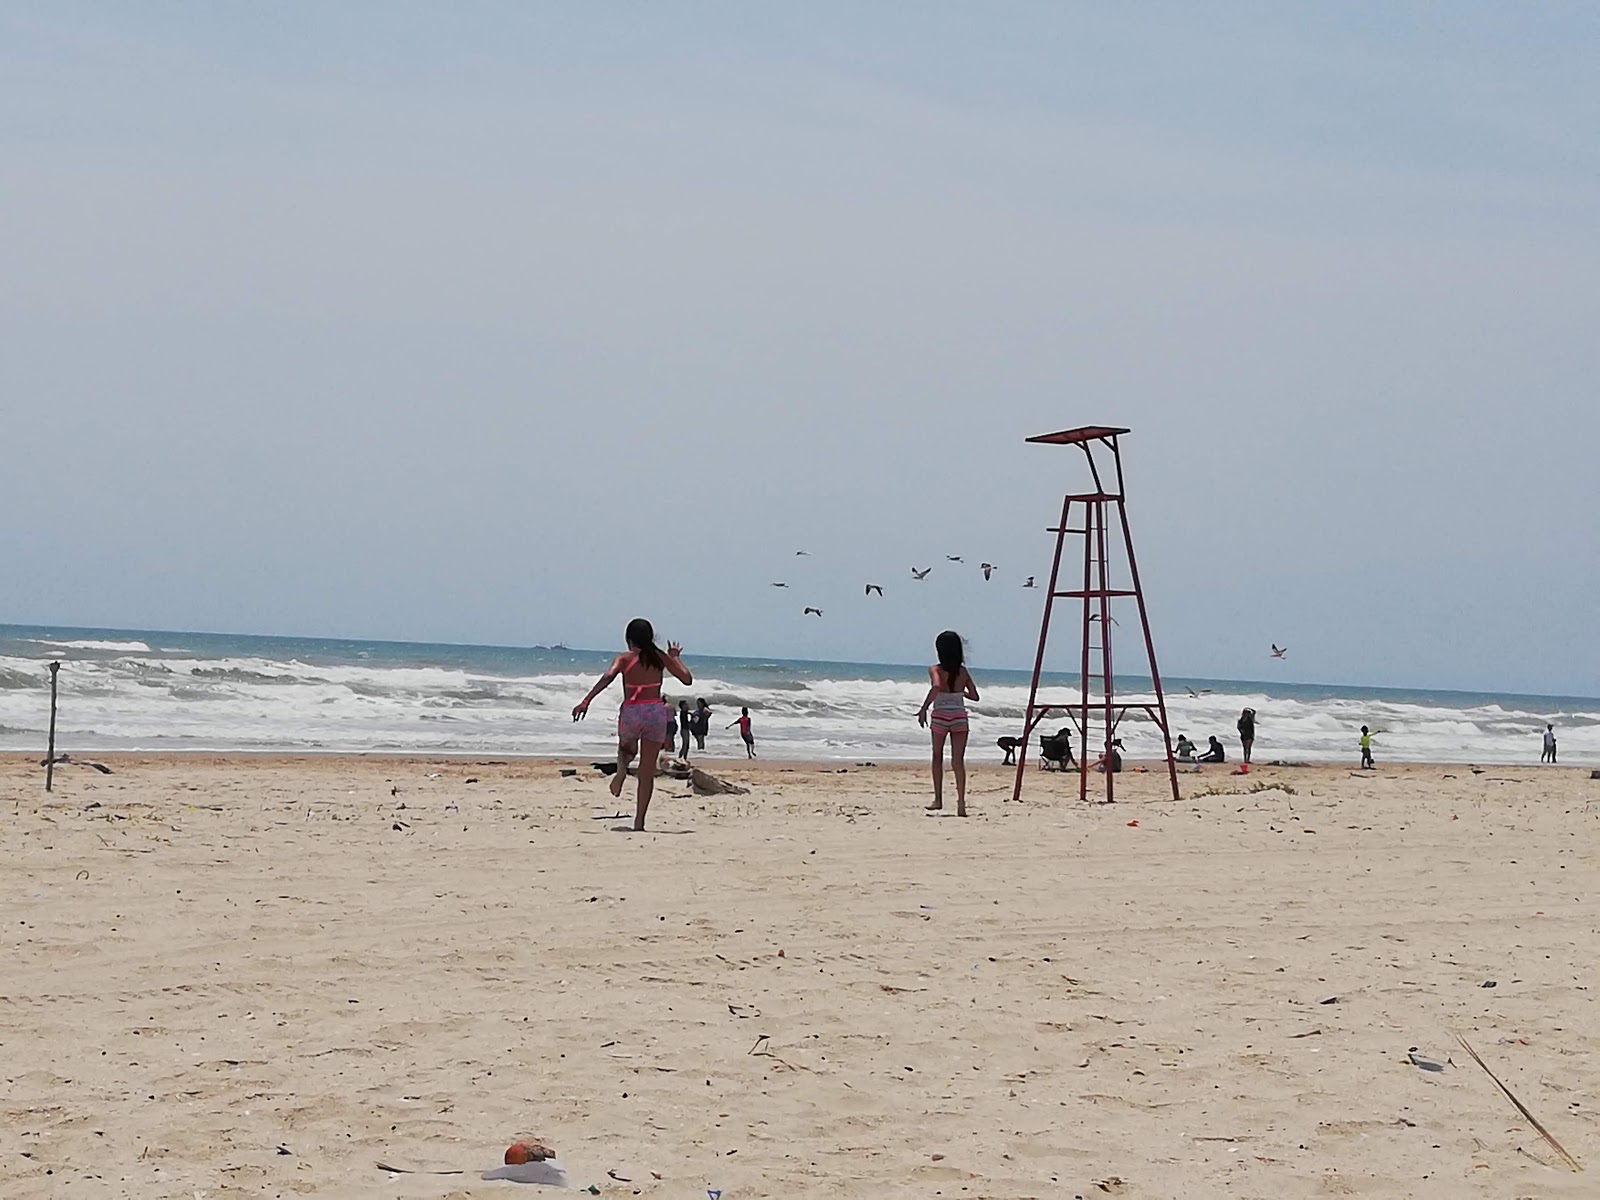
[{"x": 644, "y": 721}]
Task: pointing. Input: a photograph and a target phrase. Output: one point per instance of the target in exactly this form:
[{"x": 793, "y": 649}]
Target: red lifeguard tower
[{"x": 1102, "y": 515}]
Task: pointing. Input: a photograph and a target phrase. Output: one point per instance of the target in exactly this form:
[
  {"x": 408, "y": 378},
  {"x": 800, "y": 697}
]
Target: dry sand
[{"x": 812, "y": 990}]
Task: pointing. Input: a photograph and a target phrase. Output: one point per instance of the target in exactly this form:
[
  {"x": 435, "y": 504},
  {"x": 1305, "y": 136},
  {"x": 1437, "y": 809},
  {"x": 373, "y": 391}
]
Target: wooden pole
[{"x": 50, "y": 754}]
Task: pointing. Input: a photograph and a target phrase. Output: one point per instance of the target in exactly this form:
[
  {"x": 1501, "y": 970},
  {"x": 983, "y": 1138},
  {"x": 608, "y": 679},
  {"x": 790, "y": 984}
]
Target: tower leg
[
  {"x": 1029, "y": 721},
  {"x": 1150, "y": 649},
  {"x": 1090, "y": 513},
  {"x": 1107, "y": 682}
]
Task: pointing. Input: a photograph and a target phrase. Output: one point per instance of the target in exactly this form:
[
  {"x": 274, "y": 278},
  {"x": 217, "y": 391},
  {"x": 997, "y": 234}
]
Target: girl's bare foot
[
  {"x": 617, "y": 782},
  {"x": 935, "y": 806},
  {"x": 961, "y": 810}
]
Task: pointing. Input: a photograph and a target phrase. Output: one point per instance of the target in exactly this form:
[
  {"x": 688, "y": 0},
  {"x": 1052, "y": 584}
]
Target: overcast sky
[{"x": 505, "y": 322}]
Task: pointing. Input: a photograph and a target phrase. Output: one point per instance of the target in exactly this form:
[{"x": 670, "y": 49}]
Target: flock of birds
[
  {"x": 919, "y": 575},
  {"x": 876, "y": 589}
]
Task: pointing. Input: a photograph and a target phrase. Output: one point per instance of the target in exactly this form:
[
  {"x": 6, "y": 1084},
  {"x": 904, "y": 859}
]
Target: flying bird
[
  {"x": 1096, "y": 617},
  {"x": 922, "y": 574},
  {"x": 1030, "y": 582},
  {"x": 1279, "y": 651},
  {"x": 874, "y": 587},
  {"x": 955, "y": 558},
  {"x": 780, "y": 585},
  {"x": 811, "y": 612},
  {"x": 987, "y": 569},
  {"x": 1201, "y": 692},
  {"x": 802, "y": 554}
]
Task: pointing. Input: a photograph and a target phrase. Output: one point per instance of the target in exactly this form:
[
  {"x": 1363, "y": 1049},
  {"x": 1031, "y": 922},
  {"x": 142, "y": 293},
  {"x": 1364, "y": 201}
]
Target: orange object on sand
[{"x": 527, "y": 1151}]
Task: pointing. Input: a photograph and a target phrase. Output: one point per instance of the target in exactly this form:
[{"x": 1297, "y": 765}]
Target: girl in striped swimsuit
[
  {"x": 645, "y": 721},
  {"x": 949, "y": 689}
]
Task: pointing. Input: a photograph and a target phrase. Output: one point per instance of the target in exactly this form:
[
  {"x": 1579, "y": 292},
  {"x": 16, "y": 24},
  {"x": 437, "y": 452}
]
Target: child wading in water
[
  {"x": 644, "y": 722},
  {"x": 949, "y": 689}
]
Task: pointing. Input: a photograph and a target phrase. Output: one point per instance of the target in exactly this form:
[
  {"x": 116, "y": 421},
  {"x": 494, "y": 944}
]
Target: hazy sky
[{"x": 508, "y": 321}]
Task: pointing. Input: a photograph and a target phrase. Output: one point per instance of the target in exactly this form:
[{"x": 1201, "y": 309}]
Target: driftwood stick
[{"x": 1521, "y": 1107}]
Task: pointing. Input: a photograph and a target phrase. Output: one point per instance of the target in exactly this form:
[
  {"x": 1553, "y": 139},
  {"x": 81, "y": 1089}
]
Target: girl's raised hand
[{"x": 674, "y": 650}]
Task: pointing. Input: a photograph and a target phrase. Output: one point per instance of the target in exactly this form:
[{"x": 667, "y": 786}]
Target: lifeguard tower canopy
[{"x": 1084, "y": 433}]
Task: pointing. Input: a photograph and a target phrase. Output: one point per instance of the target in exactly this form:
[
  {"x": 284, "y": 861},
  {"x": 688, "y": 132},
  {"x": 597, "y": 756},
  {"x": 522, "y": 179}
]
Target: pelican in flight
[
  {"x": 874, "y": 587},
  {"x": 922, "y": 574},
  {"x": 987, "y": 569},
  {"x": 1279, "y": 651},
  {"x": 812, "y": 612}
]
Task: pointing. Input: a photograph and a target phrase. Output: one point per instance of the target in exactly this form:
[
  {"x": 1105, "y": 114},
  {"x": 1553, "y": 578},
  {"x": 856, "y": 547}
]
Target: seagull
[
  {"x": 955, "y": 558},
  {"x": 874, "y": 587},
  {"x": 1030, "y": 582},
  {"x": 987, "y": 569},
  {"x": 780, "y": 585},
  {"x": 1201, "y": 692},
  {"x": 922, "y": 574},
  {"x": 1096, "y": 617},
  {"x": 802, "y": 554},
  {"x": 811, "y": 611},
  {"x": 1279, "y": 651}
]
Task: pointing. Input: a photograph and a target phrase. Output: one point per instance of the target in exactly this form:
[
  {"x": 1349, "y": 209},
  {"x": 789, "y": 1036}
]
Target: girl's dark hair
[
  {"x": 952, "y": 657},
  {"x": 641, "y": 635}
]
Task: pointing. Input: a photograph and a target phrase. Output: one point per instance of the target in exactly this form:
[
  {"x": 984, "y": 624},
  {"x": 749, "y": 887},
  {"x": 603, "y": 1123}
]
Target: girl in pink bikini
[
  {"x": 949, "y": 689},
  {"x": 644, "y": 721}
]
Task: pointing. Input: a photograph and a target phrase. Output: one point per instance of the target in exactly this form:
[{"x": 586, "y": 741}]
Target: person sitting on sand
[
  {"x": 949, "y": 689},
  {"x": 1185, "y": 748},
  {"x": 743, "y": 722},
  {"x": 1214, "y": 752},
  {"x": 644, "y": 722},
  {"x": 1115, "y": 756}
]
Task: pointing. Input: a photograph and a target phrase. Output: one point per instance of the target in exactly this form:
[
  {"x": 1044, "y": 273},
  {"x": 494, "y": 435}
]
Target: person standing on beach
[
  {"x": 1549, "y": 752},
  {"x": 644, "y": 723},
  {"x": 1247, "y": 732},
  {"x": 702, "y": 723},
  {"x": 949, "y": 689},
  {"x": 684, "y": 723},
  {"x": 1366, "y": 748},
  {"x": 743, "y": 722}
]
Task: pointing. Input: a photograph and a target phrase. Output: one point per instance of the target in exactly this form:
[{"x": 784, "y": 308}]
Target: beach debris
[
  {"x": 936, "y": 1157},
  {"x": 1306, "y": 1034},
  {"x": 383, "y": 1166},
  {"x": 1133, "y": 824},
  {"x": 282, "y": 1149},
  {"x": 1329, "y": 1000},
  {"x": 1111, "y": 1183},
  {"x": 605, "y": 768},
  {"x": 568, "y": 772},
  {"x": 1489, "y": 983},
  {"x": 1594, "y": 774},
  {"x": 707, "y": 784},
  {"x": 527, "y": 1150},
  {"x": 618, "y": 1178},
  {"x": 1521, "y": 1107}
]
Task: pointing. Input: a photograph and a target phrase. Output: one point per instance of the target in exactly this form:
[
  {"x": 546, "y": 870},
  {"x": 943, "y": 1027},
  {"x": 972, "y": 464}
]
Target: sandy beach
[{"x": 257, "y": 977}]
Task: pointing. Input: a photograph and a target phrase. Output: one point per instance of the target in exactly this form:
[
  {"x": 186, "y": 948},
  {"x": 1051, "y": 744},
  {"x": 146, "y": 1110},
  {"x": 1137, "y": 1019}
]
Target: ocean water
[{"x": 134, "y": 689}]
